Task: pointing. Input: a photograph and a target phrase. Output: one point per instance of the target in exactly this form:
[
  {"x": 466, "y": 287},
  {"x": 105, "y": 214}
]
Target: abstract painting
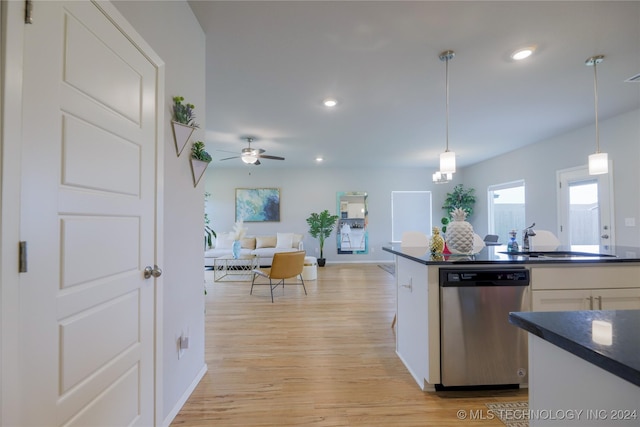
[{"x": 257, "y": 204}]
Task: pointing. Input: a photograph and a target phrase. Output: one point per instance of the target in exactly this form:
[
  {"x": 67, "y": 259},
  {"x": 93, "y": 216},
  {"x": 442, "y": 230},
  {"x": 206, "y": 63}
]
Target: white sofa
[{"x": 262, "y": 246}]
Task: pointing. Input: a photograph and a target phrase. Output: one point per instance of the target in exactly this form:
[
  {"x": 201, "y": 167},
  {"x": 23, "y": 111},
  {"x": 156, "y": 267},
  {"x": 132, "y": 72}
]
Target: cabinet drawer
[
  {"x": 585, "y": 277},
  {"x": 586, "y": 299}
]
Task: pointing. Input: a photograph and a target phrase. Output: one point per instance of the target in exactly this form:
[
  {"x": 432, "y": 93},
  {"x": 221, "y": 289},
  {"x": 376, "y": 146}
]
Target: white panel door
[{"x": 87, "y": 215}]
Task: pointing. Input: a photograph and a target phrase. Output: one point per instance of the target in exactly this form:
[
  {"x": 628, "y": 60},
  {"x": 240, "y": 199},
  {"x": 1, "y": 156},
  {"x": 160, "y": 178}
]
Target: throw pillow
[
  {"x": 284, "y": 240},
  {"x": 224, "y": 241},
  {"x": 297, "y": 238},
  {"x": 265, "y": 242},
  {"x": 248, "y": 243}
]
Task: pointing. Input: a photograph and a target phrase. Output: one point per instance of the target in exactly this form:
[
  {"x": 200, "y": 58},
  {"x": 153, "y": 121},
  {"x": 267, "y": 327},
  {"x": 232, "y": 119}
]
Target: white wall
[
  {"x": 306, "y": 191},
  {"x": 303, "y": 191},
  {"x": 174, "y": 33},
  {"x": 537, "y": 165}
]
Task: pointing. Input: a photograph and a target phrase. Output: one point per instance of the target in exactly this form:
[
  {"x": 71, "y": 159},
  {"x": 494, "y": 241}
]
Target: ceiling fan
[{"x": 252, "y": 156}]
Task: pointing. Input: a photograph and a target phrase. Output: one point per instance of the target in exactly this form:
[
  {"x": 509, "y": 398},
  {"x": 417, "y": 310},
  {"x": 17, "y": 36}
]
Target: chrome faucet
[{"x": 526, "y": 233}]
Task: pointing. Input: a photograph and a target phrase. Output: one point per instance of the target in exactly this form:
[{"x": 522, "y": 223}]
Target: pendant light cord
[
  {"x": 447, "y": 101},
  {"x": 595, "y": 86}
]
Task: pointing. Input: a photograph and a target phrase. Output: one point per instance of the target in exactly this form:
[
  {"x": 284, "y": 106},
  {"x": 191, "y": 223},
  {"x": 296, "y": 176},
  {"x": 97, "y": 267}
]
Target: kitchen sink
[{"x": 558, "y": 254}]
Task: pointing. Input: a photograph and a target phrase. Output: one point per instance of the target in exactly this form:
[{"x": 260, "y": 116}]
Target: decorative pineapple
[
  {"x": 460, "y": 233},
  {"x": 436, "y": 245}
]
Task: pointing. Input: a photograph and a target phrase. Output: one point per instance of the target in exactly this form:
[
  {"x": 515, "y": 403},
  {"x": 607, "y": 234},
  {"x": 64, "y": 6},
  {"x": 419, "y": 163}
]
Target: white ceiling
[{"x": 271, "y": 63}]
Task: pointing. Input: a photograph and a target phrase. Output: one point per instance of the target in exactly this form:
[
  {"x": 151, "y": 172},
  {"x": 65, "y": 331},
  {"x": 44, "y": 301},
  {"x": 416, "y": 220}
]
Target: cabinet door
[
  {"x": 411, "y": 333},
  {"x": 561, "y": 300},
  {"x": 616, "y": 299}
]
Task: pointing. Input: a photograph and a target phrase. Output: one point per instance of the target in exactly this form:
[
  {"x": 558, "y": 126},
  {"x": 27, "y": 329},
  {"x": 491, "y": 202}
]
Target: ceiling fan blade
[
  {"x": 229, "y": 158},
  {"x": 227, "y": 151},
  {"x": 265, "y": 156}
]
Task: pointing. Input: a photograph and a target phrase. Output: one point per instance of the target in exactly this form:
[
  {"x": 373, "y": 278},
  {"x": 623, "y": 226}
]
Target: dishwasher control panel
[{"x": 488, "y": 277}]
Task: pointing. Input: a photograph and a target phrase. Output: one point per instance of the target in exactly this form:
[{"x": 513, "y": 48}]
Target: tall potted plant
[{"x": 320, "y": 227}]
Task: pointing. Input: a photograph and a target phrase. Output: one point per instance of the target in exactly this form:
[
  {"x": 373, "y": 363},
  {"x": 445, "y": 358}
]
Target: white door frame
[
  {"x": 11, "y": 70},
  {"x": 605, "y": 202}
]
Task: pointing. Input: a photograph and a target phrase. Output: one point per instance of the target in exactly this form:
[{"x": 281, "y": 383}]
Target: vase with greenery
[
  {"x": 200, "y": 160},
  {"x": 320, "y": 227},
  {"x": 199, "y": 153},
  {"x": 183, "y": 113},
  {"x": 238, "y": 233}
]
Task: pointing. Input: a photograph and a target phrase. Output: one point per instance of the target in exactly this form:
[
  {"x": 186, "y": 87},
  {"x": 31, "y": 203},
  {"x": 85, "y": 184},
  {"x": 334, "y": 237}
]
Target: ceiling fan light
[
  {"x": 249, "y": 158},
  {"x": 448, "y": 162},
  {"x": 598, "y": 164}
]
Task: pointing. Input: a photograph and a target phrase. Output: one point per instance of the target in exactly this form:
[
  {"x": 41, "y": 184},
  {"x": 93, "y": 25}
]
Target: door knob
[
  {"x": 605, "y": 236},
  {"x": 152, "y": 271}
]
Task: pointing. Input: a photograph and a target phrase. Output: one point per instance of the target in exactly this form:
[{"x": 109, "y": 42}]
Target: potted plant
[
  {"x": 209, "y": 233},
  {"x": 200, "y": 159},
  {"x": 320, "y": 227},
  {"x": 460, "y": 198},
  {"x": 183, "y": 122},
  {"x": 183, "y": 113}
]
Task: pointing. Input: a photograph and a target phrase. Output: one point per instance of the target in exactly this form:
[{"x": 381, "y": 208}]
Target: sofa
[{"x": 261, "y": 246}]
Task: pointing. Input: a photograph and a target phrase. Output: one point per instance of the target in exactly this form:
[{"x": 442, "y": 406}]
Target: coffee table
[{"x": 229, "y": 269}]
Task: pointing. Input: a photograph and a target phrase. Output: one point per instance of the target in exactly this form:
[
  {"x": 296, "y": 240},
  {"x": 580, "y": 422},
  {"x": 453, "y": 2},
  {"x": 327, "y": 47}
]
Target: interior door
[
  {"x": 87, "y": 215},
  {"x": 585, "y": 208}
]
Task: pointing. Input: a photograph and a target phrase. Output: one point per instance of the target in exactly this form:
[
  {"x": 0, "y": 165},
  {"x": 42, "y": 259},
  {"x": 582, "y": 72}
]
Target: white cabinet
[
  {"x": 412, "y": 332},
  {"x": 563, "y": 384},
  {"x": 585, "y": 287},
  {"x": 586, "y": 299}
]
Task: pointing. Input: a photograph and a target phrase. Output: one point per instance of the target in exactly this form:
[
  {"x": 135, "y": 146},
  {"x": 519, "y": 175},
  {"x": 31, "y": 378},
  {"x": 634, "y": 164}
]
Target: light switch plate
[{"x": 630, "y": 222}]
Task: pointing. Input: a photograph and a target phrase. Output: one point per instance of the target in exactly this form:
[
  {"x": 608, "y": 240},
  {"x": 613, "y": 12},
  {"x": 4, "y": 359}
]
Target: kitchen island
[
  {"x": 584, "y": 367},
  {"x": 609, "y": 281}
]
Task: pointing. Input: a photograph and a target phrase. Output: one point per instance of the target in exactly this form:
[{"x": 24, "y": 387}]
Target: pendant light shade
[
  {"x": 448, "y": 158},
  {"x": 598, "y": 162},
  {"x": 448, "y": 162}
]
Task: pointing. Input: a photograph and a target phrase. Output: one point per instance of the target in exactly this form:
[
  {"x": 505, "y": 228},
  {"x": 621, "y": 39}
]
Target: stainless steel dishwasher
[{"x": 478, "y": 345}]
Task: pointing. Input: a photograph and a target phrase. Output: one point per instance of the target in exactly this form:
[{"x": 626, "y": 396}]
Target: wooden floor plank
[{"x": 324, "y": 359}]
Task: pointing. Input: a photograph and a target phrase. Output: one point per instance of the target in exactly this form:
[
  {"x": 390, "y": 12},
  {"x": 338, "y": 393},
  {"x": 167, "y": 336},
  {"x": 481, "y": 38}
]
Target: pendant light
[
  {"x": 598, "y": 162},
  {"x": 448, "y": 158}
]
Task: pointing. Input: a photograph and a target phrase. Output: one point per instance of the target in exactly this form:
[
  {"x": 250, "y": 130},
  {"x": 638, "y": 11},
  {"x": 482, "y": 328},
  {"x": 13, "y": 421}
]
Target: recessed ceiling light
[
  {"x": 319, "y": 159},
  {"x": 523, "y": 53},
  {"x": 330, "y": 102}
]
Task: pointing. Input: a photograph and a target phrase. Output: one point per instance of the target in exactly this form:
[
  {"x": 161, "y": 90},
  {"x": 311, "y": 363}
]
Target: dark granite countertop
[
  {"x": 495, "y": 255},
  {"x": 572, "y": 331}
]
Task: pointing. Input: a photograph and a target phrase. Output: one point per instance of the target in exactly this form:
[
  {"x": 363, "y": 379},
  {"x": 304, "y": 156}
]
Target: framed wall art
[{"x": 258, "y": 204}]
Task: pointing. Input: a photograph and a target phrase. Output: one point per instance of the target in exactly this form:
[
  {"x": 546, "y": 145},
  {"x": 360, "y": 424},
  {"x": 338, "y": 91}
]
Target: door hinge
[
  {"x": 22, "y": 258},
  {"x": 560, "y": 184},
  {"x": 28, "y": 12}
]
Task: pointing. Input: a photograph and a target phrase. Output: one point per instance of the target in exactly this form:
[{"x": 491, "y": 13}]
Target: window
[
  {"x": 584, "y": 216},
  {"x": 506, "y": 209}
]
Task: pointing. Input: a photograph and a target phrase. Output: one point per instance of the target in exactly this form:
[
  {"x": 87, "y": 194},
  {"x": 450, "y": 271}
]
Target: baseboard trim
[{"x": 176, "y": 409}]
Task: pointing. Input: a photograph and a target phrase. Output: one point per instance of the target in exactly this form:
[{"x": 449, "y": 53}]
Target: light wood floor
[{"x": 325, "y": 359}]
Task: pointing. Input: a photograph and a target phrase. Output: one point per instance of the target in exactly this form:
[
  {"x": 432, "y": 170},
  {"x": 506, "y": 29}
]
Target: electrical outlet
[{"x": 182, "y": 344}]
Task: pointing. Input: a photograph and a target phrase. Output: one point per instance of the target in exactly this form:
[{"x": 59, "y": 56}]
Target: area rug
[
  {"x": 512, "y": 414},
  {"x": 389, "y": 268}
]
